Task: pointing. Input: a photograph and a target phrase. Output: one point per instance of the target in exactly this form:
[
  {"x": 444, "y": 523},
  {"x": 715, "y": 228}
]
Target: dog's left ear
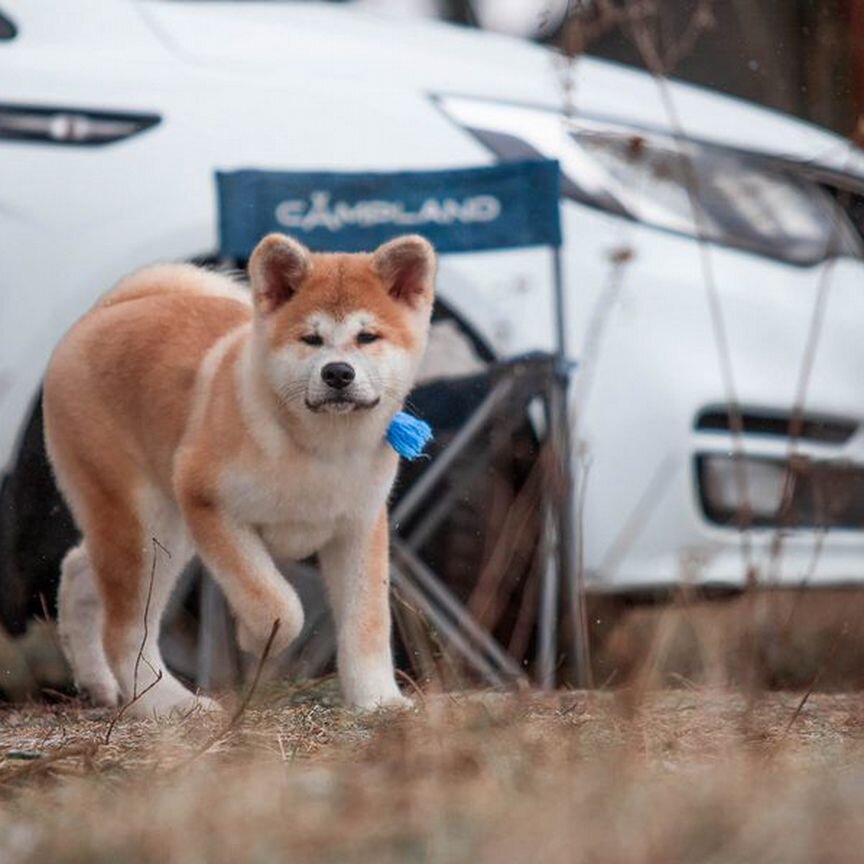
[
  {"x": 407, "y": 266},
  {"x": 277, "y": 268}
]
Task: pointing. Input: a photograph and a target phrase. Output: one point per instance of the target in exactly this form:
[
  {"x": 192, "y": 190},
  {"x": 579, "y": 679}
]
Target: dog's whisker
[{"x": 292, "y": 393}]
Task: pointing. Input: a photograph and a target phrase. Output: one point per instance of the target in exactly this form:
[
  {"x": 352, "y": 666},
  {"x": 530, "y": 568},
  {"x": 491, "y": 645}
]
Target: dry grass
[
  {"x": 776, "y": 639},
  {"x": 682, "y": 776},
  {"x": 636, "y": 775}
]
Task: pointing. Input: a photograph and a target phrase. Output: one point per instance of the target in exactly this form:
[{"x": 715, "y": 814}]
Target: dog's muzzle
[{"x": 338, "y": 396}]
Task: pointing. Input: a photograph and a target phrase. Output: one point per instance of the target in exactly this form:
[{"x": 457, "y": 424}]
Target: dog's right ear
[{"x": 277, "y": 268}]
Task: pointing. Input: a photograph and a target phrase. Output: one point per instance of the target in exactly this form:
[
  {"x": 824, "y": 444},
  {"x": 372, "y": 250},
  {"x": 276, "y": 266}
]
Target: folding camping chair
[{"x": 505, "y": 206}]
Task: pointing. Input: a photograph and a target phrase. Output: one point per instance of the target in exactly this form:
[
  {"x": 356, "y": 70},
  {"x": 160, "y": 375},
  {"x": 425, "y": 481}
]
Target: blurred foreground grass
[
  {"x": 702, "y": 773},
  {"x": 669, "y": 776}
]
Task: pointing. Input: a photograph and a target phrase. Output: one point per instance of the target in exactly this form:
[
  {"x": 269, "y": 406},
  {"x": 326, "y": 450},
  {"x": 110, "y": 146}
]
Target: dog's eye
[
  {"x": 367, "y": 338},
  {"x": 312, "y": 339}
]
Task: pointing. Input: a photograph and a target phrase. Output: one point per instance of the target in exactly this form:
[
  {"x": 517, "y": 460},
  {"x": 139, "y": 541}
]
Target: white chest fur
[{"x": 298, "y": 505}]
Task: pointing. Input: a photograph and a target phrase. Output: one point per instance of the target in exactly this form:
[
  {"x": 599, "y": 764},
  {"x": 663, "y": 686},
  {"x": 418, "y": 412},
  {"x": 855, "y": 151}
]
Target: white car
[{"x": 116, "y": 114}]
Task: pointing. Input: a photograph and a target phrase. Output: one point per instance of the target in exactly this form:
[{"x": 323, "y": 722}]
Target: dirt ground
[{"x": 668, "y": 776}]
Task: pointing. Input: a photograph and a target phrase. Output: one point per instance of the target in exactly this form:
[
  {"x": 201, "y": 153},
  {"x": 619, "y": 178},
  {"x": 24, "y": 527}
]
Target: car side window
[{"x": 7, "y": 29}]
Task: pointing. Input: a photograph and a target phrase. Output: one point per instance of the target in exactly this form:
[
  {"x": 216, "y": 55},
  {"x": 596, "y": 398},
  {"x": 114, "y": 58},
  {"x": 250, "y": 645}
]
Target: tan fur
[{"x": 184, "y": 415}]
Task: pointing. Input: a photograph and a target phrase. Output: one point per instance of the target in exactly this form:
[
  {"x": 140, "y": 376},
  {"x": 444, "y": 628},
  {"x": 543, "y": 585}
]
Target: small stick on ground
[
  {"x": 244, "y": 702},
  {"x": 412, "y": 684},
  {"x": 127, "y": 705}
]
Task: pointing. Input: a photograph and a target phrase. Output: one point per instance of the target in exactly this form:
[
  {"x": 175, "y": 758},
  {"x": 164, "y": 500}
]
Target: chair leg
[
  {"x": 471, "y": 656},
  {"x": 547, "y": 623},
  {"x": 447, "y": 607},
  {"x": 218, "y": 665}
]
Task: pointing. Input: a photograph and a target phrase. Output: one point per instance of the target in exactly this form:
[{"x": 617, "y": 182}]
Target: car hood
[
  {"x": 276, "y": 41},
  {"x": 301, "y": 39}
]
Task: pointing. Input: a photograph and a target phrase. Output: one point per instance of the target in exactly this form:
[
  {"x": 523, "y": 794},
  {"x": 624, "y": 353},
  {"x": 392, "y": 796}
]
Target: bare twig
[
  {"x": 489, "y": 594},
  {"x": 127, "y": 705},
  {"x": 814, "y": 333},
  {"x": 656, "y": 65},
  {"x": 412, "y": 684},
  {"x": 156, "y": 546},
  {"x": 526, "y": 616},
  {"x": 598, "y": 320},
  {"x": 136, "y": 696},
  {"x": 244, "y": 702},
  {"x": 816, "y": 678},
  {"x": 800, "y": 707}
]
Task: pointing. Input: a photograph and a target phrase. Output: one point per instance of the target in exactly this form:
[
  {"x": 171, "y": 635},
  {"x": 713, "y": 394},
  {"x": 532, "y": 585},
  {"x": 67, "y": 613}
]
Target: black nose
[{"x": 338, "y": 375}]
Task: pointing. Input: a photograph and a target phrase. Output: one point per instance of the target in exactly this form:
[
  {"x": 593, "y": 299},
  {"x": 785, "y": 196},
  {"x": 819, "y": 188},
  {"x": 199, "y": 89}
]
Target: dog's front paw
[
  {"x": 254, "y": 631},
  {"x": 99, "y": 691},
  {"x": 255, "y": 641},
  {"x": 395, "y": 703}
]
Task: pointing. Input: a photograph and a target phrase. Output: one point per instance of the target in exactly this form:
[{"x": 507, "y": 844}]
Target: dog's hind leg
[
  {"x": 137, "y": 554},
  {"x": 79, "y": 625}
]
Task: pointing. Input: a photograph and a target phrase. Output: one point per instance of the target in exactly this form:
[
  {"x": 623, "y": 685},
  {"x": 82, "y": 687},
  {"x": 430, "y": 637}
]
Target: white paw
[
  {"x": 395, "y": 703},
  {"x": 171, "y": 702},
  {"x": 388, "y": 701}
]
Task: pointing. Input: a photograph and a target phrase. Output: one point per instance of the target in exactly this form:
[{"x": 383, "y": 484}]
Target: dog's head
[{"x": 341, "y": 333}]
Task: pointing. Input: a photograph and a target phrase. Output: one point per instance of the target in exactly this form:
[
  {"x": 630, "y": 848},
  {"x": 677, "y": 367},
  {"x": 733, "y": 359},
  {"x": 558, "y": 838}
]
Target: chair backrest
[{"x": 503, "y": 206}]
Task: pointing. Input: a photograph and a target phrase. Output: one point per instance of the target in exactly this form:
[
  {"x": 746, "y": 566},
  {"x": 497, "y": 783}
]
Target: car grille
[{"x": 811, "y": 427}]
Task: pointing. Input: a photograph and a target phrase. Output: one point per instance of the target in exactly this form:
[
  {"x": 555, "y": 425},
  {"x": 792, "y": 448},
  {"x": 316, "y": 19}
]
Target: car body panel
[{"x": 302, "y": 86}]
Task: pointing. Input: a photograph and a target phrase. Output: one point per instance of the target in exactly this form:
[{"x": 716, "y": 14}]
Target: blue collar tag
[{"x": 408, "y": 435}]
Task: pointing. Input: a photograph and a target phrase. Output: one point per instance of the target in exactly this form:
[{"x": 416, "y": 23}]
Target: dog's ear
[
  {"x": 277, "y": 269},
  {"x": 407, "y": 266}
]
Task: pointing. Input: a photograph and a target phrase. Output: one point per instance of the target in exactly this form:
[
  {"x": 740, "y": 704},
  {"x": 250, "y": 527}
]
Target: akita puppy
[{"x": 185, "y": 414}]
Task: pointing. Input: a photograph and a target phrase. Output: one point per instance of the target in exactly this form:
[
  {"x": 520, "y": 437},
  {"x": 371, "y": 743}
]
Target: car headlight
[
  {"x": 724, "y": 498},
  {"x": 745, "y": 200},
  {"x": 803, "y": 493}
]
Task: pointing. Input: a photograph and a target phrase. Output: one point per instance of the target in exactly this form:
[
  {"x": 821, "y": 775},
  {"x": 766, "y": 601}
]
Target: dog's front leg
[
  {"x": 238, "y": 559},
  {"x": 355, "y": 567}
]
